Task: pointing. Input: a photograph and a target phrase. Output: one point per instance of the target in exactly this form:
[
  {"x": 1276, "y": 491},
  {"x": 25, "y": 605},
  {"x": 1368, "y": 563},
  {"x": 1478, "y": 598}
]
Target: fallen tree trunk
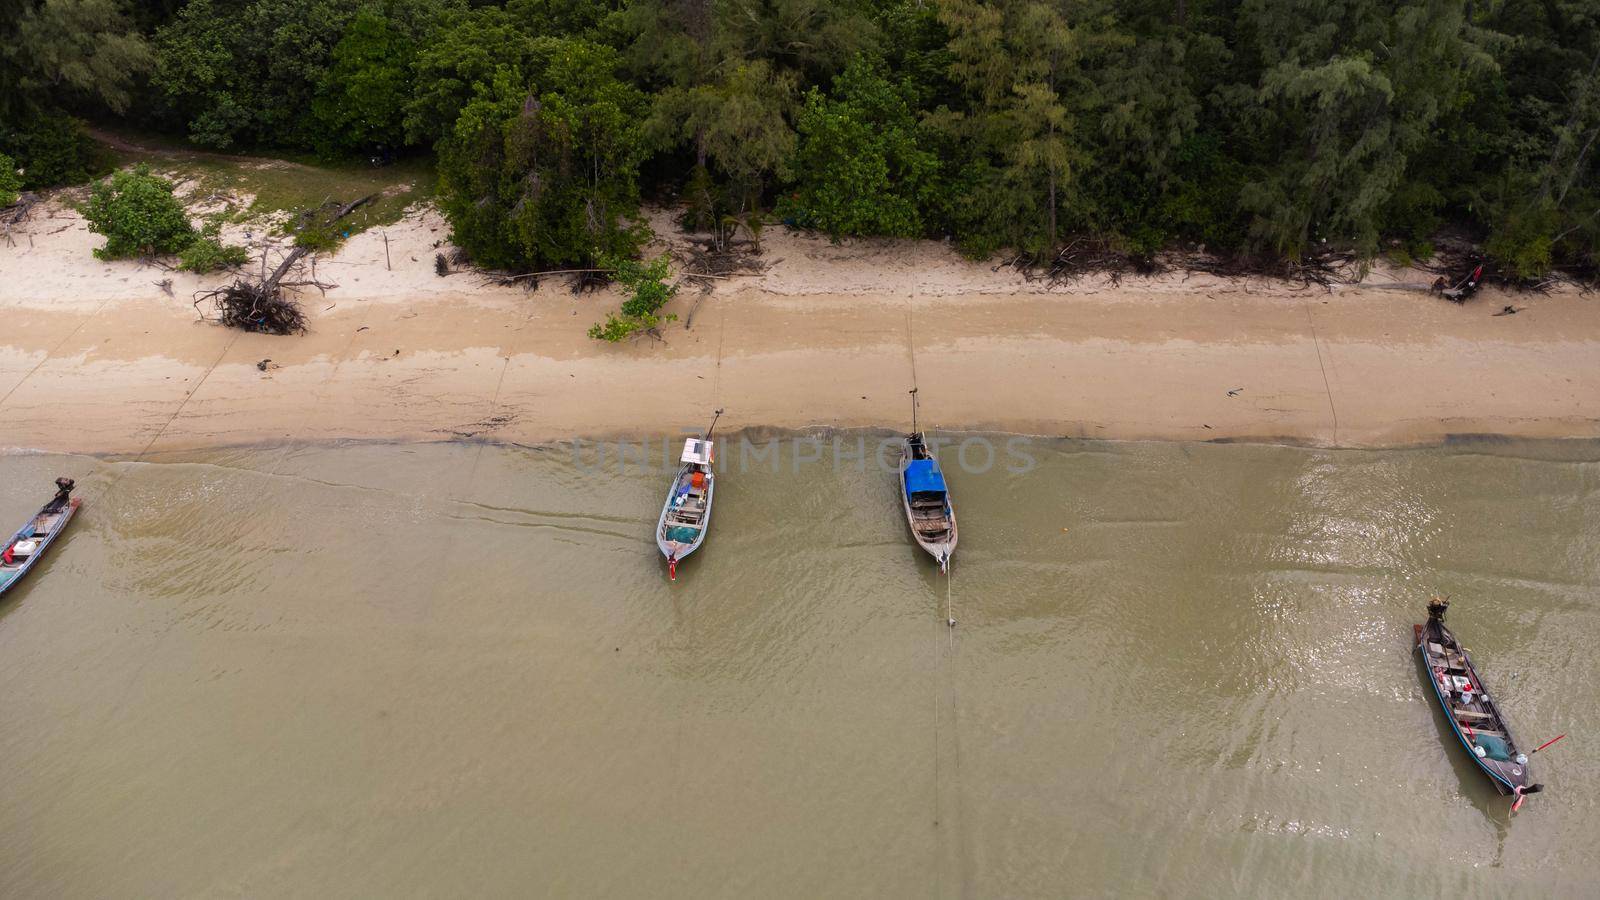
[{"x": 260, "y": 305}]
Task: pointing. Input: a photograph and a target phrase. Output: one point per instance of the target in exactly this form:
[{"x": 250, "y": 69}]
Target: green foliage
[
  {"x": 10, "y": 181},
  {"x": 736, "y": 120},
  {"x": 1522, "y": 242},
  {"x": 1347, "y": 93},
  {"x": 138, "y": 215},
  {"x": 1258, "y": 126},
  {"x": 543, "y": 173},
  {"x": 280, "y": 73},
  {"x": 246, "y": 72},
  {"x": 52, "y": 149},
  {"x": 207, "y": 253},
  {"x": 1013, "y": 60},
  {"x": 57, "y": 51},
  {"x": 646, "y": 291},
  {"x": 361, "y": 101},
  {"x": 464, "y": 53},
  {"x": 861, "y": 168}
]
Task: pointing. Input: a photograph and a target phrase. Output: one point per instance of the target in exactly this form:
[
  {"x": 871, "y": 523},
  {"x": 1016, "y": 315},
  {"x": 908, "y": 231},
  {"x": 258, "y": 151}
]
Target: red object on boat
[{"x": 1548, "y": 743}]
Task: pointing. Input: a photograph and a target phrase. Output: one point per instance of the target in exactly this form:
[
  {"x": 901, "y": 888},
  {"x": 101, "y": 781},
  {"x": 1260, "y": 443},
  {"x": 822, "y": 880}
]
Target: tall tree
[
  {"x": 361, "y": 102},
  {"x": 543, "y": 171},
  {"x": 1346, "y": 93},
  {"x": 63, "y": 51},
  {"x": 246, "y": 71},
  {"x": 1013, "y": 59},
  {"x": 861, "y": 167},
  {"x": 728, "y": 73},
  {"x": 465, "y": 51}
]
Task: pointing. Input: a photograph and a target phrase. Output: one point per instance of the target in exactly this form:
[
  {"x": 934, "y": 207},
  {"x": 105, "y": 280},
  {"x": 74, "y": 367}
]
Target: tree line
[{"x": 1268, "y": 127}]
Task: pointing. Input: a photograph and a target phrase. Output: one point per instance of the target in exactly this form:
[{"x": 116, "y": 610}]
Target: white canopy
[{"x": 698, "y": 451}]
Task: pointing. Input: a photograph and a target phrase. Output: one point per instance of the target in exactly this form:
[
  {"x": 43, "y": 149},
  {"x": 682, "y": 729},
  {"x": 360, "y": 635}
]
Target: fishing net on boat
[
  {"x": 1494, "y": 747},
  {"x": 683, "y": 534}
]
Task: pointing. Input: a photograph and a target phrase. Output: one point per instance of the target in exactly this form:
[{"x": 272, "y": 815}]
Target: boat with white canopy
[{"x": 686, "y": 516}]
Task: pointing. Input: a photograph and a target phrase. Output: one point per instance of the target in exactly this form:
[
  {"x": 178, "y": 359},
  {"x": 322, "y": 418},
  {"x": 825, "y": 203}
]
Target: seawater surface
[{"x": 459, "y": 670}]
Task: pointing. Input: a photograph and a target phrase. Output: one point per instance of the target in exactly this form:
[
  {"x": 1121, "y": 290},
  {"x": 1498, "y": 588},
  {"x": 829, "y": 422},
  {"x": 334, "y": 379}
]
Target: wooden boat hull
[
  {"x": 1509, "y": 776},
  {"x": 675, "y": 551},
  {"x": 941, "y": 550},
  {"x": 12, "y": 575}
]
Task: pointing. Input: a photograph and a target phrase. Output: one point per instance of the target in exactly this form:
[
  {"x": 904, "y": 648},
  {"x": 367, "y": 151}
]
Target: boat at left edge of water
[
  {"x": 686, "y": 516},
  {"x": 24, "y": 549}
]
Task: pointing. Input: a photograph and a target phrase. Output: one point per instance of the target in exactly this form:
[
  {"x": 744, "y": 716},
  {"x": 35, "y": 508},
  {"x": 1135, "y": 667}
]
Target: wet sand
[{"x": 97, "y": 358}]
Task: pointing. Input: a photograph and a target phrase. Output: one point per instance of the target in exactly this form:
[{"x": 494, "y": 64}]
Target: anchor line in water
[
  {"x": 950, "y": 602},
  {"x": 952, "y": 813}
]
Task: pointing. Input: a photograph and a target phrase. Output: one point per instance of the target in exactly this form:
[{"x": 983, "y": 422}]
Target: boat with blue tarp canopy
[
  {"x": 925, "y": 495},
  {"x": 923, "y": 477}
]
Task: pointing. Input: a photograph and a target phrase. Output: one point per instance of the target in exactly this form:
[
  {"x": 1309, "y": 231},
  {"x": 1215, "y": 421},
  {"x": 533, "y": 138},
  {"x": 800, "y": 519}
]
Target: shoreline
[{"x": 96, "y": 358}]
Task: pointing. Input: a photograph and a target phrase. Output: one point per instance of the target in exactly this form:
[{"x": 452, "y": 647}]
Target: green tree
[
  {"x": 1533, "y": 139},
  {"x": 361, "y": 101},
  {"x": 1012, "y": 59},
  {"x": 546, "y": 175},
  {"x": 138, "y": 214},
  {"x": 727, "y": 80},
  {"x": 1346, "y": 94},
  {"x": 861, "y": 168},
  {"x": 60, "y": 51},
  {"x": 737, "y": 121},
  {"x": 52, "y": 149},
  {"x": 59, "y": 54},
  {"x": 462, "y": 55},
  {"x": 246, "y": 71}
]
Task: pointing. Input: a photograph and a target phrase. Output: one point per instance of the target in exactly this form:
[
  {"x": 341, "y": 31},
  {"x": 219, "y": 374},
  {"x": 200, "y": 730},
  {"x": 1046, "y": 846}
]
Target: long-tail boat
[
  {"x": 1473, "y": 716},
  {"x": 686, "y": 516},
  {"x": 925, "y": 496},
  {"x": 24, "y": 549}
]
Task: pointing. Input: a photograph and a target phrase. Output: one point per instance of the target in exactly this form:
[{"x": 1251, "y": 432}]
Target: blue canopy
[{"x": 923, "y": 477}]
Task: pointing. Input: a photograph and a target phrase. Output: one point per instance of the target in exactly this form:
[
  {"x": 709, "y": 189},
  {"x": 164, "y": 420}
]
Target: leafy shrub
[
  {"x": 53, "y": 150},
  {"x": 647, "y": 291},
  {"x": 207, "y": 253},
  {"x": 1522, "y": 245},
  {"x": 138, "y": 214},
  {"x": 10, "y": 181},
  {"x": 320, "y": 238}
]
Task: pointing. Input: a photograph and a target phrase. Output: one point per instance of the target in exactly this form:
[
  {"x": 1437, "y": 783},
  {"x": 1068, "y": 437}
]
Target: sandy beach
[{"x": 99, "y": 358}]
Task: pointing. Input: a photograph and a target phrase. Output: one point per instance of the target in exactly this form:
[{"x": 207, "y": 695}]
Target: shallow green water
[{"x": 459, "y": 670}]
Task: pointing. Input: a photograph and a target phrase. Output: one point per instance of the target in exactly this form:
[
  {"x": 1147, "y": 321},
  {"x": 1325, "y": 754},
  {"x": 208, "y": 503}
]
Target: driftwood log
[
  {"x": 259, "y": 304},
  {"x": 15, "y": 214}
]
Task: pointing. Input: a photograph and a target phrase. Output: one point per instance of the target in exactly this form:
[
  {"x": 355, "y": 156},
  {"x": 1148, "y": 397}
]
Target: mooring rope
[{"x": 949, "y": 601}]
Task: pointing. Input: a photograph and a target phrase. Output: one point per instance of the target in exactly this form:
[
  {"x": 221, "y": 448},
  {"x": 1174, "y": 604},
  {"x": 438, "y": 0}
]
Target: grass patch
[{"x": 289, "y": 186}]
